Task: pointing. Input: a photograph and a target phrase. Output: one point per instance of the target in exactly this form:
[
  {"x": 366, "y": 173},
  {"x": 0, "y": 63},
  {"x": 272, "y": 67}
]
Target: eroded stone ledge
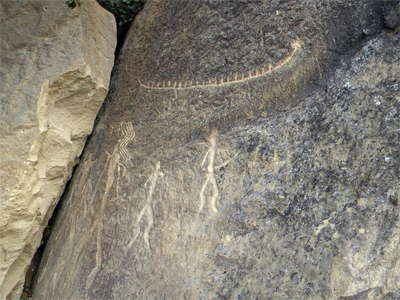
[{"x": 58, "y": 62}]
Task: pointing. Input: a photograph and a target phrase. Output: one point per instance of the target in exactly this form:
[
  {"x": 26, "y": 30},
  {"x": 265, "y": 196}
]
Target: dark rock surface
[
  {"x": 392, "y": 14},
  {"x": 205, "y": 181}
]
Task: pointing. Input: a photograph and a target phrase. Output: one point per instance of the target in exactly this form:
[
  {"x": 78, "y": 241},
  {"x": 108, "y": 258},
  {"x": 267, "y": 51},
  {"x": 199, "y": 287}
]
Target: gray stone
[
  {"x": 55, "y": 69},
  {"x": 392, "y": 13},
  {"x": 248, "y": 150}
]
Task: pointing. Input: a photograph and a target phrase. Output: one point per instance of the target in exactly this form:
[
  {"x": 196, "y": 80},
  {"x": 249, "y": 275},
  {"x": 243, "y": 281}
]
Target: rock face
[
  {"x": 249, "y": 150},
  {"x": 55, "y": 69}
]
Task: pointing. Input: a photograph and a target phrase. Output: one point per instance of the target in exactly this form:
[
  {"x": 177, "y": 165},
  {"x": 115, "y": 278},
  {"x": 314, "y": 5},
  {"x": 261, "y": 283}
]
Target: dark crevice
[
  {"x": 121, "y": 36},
  {"x": 123, "y": 29},
  {"x": 32, "y": 272},
  {"x": 124, "y": 12}
]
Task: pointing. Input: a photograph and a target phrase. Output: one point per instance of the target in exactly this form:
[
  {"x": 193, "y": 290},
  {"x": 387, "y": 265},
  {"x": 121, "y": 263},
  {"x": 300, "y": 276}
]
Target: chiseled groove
[
  {"x": 216, "y": 82},
  {"x": 147, "y": 210},
  {"x": 210, "y": 174},
  {"x": 127, "y": 136}
]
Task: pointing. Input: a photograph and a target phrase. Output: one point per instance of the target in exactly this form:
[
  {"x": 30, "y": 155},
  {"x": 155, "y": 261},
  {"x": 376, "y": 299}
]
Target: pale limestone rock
[{"x": 55, "y": 65}]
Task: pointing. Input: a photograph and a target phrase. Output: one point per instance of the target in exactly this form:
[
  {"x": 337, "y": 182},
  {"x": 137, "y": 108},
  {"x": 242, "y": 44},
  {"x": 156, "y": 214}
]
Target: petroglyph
[
  {"x": 120, "y": 155},
  {"x": 210, "y": 177},
  {"x": 115, "y": 166},
  {"x": 111, "y": 164},
  {"x": 147, "y": 210},
  {"x": 224, "y": 80},
  {"x": 127, "y": 136}
]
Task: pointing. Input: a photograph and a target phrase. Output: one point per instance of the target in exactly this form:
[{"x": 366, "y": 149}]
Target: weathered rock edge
[
  {"x": 67, "y": 103},
  {"x": 305, "y": 194}
]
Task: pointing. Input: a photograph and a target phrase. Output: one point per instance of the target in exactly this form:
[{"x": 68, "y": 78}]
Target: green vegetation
[
  {"x": 72, "y": 3},
  {"x": 123, "y": 10}
]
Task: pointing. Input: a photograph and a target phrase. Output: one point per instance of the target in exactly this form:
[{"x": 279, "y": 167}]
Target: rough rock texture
[
  {"x": 249, "y": 150},
  {"x": 55, "y": 69},
  {"x": 392, "y": 14}
]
